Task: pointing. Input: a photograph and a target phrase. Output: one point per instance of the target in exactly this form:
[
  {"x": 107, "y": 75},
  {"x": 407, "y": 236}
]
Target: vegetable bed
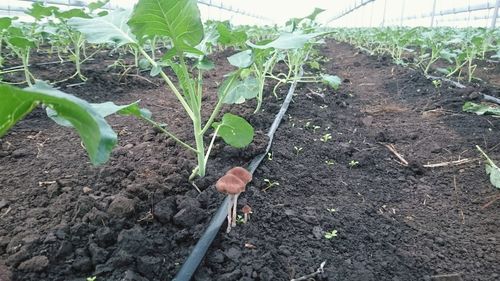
[{"x": 344, "y": 198}]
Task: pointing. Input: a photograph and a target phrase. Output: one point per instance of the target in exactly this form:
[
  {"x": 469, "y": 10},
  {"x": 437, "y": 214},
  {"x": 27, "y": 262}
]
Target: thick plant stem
[
  {"x": 200, "y": 145},
  {"x": 27, "y": 73}
]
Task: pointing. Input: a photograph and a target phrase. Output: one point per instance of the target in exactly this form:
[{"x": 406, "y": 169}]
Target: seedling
[
  {"x": 239, "y": 219},
  {"x": 331, "y": 234},
  {"x": 270, "y": 156},
  {"x": 331, "y": 210},
  {"x": 437, "y": 83},
  {"x": 298, "y": 149},
  {"x": 326, "y": 137},
  {"x": 353, "y": 163},
  {"x": 315, "y": 128},
  {"x": 93, "y": 278},
  {"x": 270, "y": 184},
  {"x": 329, "y": 162}
]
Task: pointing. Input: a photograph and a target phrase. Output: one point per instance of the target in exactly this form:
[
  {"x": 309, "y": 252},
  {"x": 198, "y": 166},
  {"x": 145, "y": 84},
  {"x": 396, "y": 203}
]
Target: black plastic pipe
[{"x": 200, "y": 249}]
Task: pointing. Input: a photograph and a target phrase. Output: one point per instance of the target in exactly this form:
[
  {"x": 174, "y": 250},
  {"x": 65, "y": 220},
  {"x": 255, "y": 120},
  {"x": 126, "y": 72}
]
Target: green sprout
[
  {"x": 353, "y": 163},
  {"x": 298, "y": 149},
  {"x": 270, "y": 156},
  {"x": 240, "y": 220},
  {"x": 93, "y": 278},
  {"x": 329, "y": 162},
  {"x": 270, "y": 184},
  {"x": 331, "y": 210},
  {"x": 326, "y": 137},
  {"x": 331, "y": 234},
  {"x": 437, "y": 83}
]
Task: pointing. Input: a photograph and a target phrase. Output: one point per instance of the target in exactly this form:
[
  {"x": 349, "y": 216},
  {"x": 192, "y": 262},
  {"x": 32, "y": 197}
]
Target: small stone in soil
[
  {"x": 189, "y": 216},
  {"x": 233, "y": 253},
  {"x": 122, "y": 207},
  {"x": 3, "y": 203},
  {"x": 164, "y": 210},
  {"x": 35, "y": 264}
]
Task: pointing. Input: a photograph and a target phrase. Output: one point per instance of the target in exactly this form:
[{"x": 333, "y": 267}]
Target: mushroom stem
[
  {"x": 229, "y": 206},
  {"x": 245, "y": 218},
  {"x": 235, "y": 202}
]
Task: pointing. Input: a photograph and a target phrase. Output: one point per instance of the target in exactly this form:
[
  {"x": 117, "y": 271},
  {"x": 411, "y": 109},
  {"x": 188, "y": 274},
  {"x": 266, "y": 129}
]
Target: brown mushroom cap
[
  {"x": 241, "y": 173},
  {"x": 246, "y": 209},
  {"x": 230, "y": 184}
]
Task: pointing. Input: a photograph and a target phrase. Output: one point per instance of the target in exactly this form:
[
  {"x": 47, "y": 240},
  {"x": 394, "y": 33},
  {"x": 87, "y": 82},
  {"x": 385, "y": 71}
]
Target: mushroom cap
[
  {"x": 246, "y": 209},
  {"x": 241, "y": 173},
  {"x": 230, "y": 184}
]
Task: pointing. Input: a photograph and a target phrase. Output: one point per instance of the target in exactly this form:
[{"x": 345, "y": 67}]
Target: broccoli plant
[{"x": 180, "y": 22}]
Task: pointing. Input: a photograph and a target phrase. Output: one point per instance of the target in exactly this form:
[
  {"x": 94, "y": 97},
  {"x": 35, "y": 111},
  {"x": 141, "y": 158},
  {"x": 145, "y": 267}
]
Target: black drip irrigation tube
[{"x": 200, "y": 249}]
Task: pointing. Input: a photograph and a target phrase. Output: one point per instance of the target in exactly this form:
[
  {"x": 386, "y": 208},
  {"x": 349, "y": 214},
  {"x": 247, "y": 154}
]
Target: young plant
[
  {"x": 491, "y": 169},
  {"x": 353, "y": 163},
  {"x": 298, "y": 150},
  {"x": 326, "y": 137},
  {"x": 180, "y": 22},
  {"x": 269, "y": 184},
  {"x": 330, "y": 162},
  {"x": 331, "y": 234}
]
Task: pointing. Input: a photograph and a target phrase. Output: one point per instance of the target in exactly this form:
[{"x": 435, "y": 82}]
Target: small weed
[
  {"x": 270, "y": 184},
  {"x": 93, "y": 278},
  {"x": 353, "y": 163},
  {"x": 270, "y": 156},
  {"x": 326, "y": 137},
  {"x": 329, "y": 162},
  {"x": 437, "y": 83},
  {"x": 331, "y": 210},
  {"x": 298, "y": 149},
  {"x": 331, "y": 234},
  {"x": 315, "y": 128},
  {"x": 240, "y": 219}
]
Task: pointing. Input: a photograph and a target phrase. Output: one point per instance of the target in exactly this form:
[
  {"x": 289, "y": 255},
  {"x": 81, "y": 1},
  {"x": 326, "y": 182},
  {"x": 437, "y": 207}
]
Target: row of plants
[
  {"x": 454, "y": 52},
  {"x": 161, "y": 35}
]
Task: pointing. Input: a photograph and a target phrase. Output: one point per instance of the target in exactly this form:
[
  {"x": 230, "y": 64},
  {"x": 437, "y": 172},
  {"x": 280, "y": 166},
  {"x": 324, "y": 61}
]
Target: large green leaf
[
  {"x": 242, "y": 59},
  {"x": 178, "y": 19},
  {"x": 480, "y": 109},
  {"x": 230, "y": 37},
  {"x": 73, "y": 13},
  {"x": 98, "y": 137},
  {"x": 287, "y": 40},
  {"x": 240, "y": 90},
  {"x": 104, "y": 109},
  {"x": 5, "y": 23},
  {"x": 235, "y": 130},
  {"x": 39, "y": 11},
  {"x": 111, "y": 28}
]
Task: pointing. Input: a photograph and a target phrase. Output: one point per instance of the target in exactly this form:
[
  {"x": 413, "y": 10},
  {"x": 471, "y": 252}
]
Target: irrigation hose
[{"x": 200, "y": 249}]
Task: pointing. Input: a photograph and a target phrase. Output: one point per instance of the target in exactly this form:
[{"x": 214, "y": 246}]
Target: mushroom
[
  {"x": 246, "y": 213},
  {"x": 233, "y": 183}
]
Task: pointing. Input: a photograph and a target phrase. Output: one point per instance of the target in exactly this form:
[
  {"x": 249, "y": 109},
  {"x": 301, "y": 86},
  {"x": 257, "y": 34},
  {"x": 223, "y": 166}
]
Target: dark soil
[{"x": 137, "y": 218}]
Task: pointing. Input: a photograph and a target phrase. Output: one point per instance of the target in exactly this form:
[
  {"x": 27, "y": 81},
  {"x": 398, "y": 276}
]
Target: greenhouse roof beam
[
  {"x": 350, "y": 10},
  {"x": 471, "y": 8},
  {"x": 231, "y": 9}
]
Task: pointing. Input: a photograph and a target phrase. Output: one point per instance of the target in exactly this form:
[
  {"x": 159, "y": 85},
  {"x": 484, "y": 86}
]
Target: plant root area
[{"x": 396, "y": 191}]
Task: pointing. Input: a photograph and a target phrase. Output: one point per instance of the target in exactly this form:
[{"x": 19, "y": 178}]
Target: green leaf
[
  {"x": 287, "y": 41},
  {"x": 21, "y": 42},
  {"x": 480, "y": 109},
  {"x": 239, "y": 90},
  {"x": 104, "y": 110},
  {"x": 5, "y": 23},
  {"x": 98, "y": 137},
  {"x": 235, "y": 130},
  {"x": 39, "y": 11},
  {"x": 230, "y": 37},
  {"x": 73, "y": 13},
  {"x": 242, "y": 59},
  {"x": 97, "y": 5},
  {"x": 205, "y": 64},
  {"x": 112, "y": 28},
  {"x": 491, "y": 169},
  {"x": 331, "y": 80},
  {"x": 178, "y": 19}
]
